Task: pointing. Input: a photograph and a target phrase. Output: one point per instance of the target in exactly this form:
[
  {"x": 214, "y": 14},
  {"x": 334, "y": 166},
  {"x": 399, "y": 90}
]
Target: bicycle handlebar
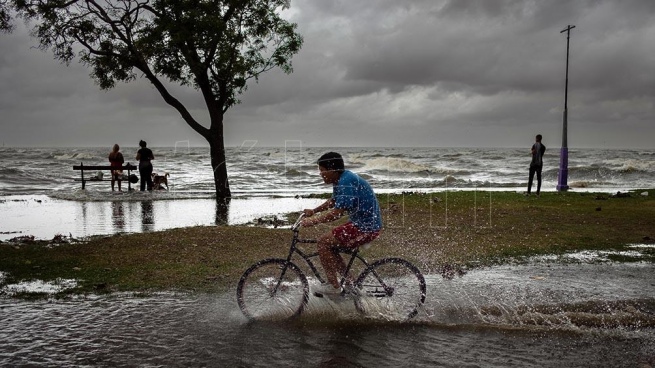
[{"x": 296, "y": 224}]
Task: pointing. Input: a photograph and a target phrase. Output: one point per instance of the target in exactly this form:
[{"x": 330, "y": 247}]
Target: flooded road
[{"x": 541, "y": 315}]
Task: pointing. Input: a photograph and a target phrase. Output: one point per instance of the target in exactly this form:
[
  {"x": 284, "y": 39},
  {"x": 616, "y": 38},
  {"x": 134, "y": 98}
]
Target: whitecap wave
[
  {"x": 579, "y": 184},
  {"x": 630, "y": 165},
  {"x": 74, "y": 156},
  {"x": 395, "y": 165},
  {"x": 636, "y": 166}
]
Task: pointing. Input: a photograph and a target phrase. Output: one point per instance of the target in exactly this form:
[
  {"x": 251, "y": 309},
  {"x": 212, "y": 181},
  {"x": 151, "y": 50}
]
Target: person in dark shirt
[
  {"x": 536, "y": 164},
  {"x": 144, "y": 155}
]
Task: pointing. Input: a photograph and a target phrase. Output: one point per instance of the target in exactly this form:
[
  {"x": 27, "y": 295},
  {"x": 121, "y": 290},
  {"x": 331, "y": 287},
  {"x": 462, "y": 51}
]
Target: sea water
[{"x": 293, "y": 170}]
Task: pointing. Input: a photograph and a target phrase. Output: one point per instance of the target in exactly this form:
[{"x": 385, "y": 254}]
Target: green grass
[{"x": 467, "y": 228}]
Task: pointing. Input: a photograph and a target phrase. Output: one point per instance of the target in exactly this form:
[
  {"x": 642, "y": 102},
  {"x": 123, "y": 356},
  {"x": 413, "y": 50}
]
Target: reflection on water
[
  {"x": 45, "y": 217},
  {"x": 147, "y": 216},
  {"x": 209, "y": 330},
  {"x": 118, "y": 216}
]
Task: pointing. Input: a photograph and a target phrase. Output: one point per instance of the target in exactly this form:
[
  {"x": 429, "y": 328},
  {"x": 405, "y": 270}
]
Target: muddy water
[{"x": 542, "y": 315}]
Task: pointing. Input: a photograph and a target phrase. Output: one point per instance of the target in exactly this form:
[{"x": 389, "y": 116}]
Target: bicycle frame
[{"x": 293, "y": 249}]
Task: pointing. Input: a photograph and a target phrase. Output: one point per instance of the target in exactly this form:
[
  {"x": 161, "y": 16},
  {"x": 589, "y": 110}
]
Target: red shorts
[{"x": 351, "y": 237}]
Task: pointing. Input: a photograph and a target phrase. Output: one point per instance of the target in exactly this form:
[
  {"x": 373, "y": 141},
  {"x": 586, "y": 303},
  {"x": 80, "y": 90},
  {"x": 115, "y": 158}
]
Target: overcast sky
[{"x": 485, "y": 73}]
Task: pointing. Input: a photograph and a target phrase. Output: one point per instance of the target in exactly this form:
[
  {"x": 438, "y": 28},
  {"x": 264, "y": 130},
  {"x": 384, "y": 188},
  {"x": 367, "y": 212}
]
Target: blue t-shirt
[{"x": 356, "y": 196}]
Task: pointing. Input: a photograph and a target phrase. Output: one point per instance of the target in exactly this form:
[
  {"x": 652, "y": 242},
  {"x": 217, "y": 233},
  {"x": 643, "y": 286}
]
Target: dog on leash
[{"x": 158, "y": 180}]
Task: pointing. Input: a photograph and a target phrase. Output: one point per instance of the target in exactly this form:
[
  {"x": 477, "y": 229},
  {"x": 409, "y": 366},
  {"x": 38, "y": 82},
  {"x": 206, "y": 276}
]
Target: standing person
[
  {"x": 536, "y": 164},
  {"x": 116, "y": 160},
  {"x": 144, "y": 155},
  {"x": 352, "y": 195}
]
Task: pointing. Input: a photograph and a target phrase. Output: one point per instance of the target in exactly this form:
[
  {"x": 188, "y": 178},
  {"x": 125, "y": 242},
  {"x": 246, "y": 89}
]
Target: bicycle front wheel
[
  {"x": 272, "y": 289},
  {"x": 392, "y": 288}
]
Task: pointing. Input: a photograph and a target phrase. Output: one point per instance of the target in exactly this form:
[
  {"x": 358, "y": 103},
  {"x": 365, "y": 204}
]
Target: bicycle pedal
[
  {"x": 331, "y": 297},
  {"x": 378, "y": 293},
  {"x": 327, "y": 292}
]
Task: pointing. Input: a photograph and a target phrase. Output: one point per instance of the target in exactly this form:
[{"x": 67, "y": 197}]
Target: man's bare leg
[{"x": 330, "y": 259}]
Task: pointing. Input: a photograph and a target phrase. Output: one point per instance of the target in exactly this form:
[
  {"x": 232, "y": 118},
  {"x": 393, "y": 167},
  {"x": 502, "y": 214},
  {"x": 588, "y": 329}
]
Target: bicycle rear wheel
[
  {"x": 392, "y": 288},
  {"x": 272, "y": 289}
]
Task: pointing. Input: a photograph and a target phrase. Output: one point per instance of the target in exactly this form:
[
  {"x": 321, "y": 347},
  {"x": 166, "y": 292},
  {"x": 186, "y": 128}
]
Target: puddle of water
[
  {"x": 548, "y": 294},
  {"x": 485, "y": 318},
  {"x": 45, "y": 217},
  {"x": 590, "y": 256}
]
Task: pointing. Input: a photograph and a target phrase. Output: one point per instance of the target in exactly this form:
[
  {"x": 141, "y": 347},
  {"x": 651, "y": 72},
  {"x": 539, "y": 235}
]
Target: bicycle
[{"x": 279, "y": 288}]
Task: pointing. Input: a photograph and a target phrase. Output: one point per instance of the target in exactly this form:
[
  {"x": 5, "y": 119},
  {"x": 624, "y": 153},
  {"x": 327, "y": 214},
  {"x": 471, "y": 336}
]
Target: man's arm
[
  {"x": 324, "y": 206},
  {"x": 332, "y": 215}
]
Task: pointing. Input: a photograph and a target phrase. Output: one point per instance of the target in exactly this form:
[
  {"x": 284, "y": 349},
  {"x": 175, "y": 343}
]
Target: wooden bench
[{"x": 129, "y": 167}]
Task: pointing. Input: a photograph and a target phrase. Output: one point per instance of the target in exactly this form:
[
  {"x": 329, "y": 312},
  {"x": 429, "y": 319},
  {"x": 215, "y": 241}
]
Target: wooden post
[
  {"x": 129, "y": 183},
  {"x": 82, "y": 171}
]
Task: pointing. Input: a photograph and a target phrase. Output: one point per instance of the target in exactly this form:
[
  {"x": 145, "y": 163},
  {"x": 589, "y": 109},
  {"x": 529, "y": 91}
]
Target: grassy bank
[{"x": 472, "y": 228}]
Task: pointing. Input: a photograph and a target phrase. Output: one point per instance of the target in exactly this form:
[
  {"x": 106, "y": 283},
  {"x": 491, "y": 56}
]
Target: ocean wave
[
  {"x": 579, "y": 184},
  {"x": 625, "y": 171},
  {"x": 395, "y": 165},
  {"x": 454, "y": 155},
  {"x": 629, "y": 165},
  {"x": 295, "y": 173},
  {"x": 361, "y": 158},
  {"x": 637, "y": 166},
  {"x": 592, "y": 183},
  {"x": 74, "y": 156},
  {"x": 9, "y": 171}
]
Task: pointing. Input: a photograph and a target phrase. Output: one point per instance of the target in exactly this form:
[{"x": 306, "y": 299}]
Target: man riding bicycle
[{"x": 352, "y": 195}]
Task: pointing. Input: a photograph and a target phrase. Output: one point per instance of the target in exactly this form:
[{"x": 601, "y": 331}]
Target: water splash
[{"x": 35, "y": 286}]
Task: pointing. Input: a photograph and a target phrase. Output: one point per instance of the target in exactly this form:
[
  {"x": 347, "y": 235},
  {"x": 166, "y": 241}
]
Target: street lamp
[{"x": 564, "y": 153}]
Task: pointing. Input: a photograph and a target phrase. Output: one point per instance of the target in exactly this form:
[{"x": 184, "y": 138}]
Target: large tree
[
  {"x": 5, "y": 16},
  {"x": 214, "y": 46}
]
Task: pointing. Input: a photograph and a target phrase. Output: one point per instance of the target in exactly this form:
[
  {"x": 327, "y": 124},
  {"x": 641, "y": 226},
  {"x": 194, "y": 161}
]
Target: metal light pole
[{"x": 564, "y": 153}]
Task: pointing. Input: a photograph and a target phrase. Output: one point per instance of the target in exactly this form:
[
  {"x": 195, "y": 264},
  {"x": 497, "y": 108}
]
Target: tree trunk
[
  {"x": 219, "y": 167},
  {"x": 217, "y": 152},
  {"x": 222, "y": 211}
]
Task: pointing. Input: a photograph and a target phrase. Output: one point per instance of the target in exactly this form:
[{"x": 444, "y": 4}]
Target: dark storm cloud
[
  {"x": 491, "y": 46},
  {"x": 419, "y": 72}
]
